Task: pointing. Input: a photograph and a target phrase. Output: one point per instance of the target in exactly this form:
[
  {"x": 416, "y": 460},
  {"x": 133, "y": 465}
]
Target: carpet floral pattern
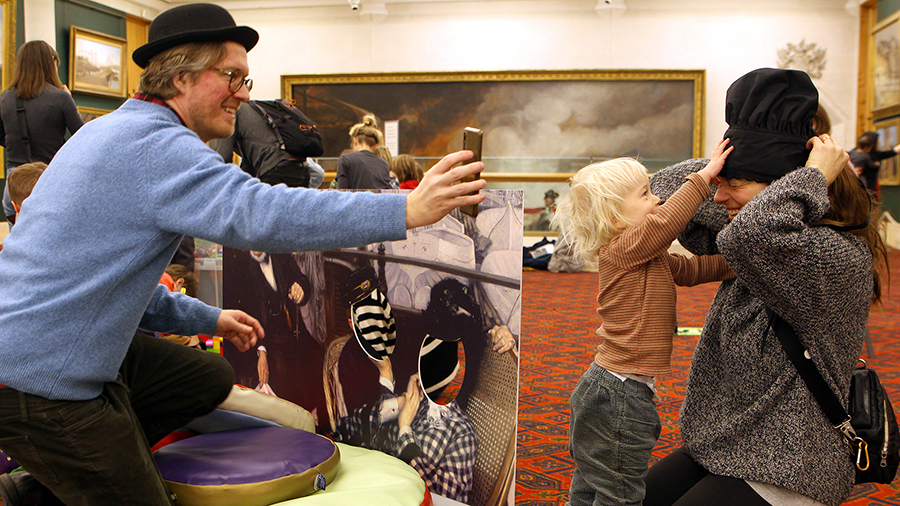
[{"x": 558, "y": 343}]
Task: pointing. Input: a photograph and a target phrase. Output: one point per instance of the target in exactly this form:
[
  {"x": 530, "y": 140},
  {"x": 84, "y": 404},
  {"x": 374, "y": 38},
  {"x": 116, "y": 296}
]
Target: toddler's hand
[{"x": 716, "y": 161}]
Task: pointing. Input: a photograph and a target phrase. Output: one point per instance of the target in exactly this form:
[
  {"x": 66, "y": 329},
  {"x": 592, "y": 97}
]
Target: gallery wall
[
  {"x": 727, "y": 41},
  {"x": 725, "y": 37}
]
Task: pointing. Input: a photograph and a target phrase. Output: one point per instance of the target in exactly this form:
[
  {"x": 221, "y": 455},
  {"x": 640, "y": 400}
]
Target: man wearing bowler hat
[{"x": 84, "y": 397}]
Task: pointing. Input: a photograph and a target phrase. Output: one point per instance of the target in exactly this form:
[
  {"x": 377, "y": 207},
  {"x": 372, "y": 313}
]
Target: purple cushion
[
  {"x": 248, "y": 467},
  {"x": 237, "y": 457}
]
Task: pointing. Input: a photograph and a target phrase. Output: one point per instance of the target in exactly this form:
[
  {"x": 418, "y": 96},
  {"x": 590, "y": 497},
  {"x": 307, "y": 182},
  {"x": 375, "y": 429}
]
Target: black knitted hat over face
[{"x": 769, "y": 113}]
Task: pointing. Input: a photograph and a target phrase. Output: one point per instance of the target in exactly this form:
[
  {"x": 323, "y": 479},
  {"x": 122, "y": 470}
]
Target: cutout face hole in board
[{"x": 442, "y": 367}]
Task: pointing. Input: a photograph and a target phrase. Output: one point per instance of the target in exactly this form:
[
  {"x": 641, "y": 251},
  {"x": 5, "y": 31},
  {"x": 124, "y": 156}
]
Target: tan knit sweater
[{"x": 637, "y": 285}]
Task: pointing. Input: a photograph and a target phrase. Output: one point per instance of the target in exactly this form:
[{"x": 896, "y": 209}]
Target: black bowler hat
[
  {"x": 769, "y": 114},
  {"x": 192, "y": 23}
]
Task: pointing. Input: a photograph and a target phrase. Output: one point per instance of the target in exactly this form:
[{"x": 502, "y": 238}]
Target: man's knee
[{"x": 219, "y": 379}]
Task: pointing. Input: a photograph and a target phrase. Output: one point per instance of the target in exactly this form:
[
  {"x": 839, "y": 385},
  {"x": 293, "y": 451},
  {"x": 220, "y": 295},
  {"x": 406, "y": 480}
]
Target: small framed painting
[
  {"x": 884, "y": 61},
  {"x": 97, "y": 63},
  {"x": 888, "y": 137}
]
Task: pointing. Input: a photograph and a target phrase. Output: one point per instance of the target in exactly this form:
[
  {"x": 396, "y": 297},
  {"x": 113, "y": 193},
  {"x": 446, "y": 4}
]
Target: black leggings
[{"x": 678, "y": 480}]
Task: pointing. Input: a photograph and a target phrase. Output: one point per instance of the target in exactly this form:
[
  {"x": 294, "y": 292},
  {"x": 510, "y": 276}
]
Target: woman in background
[
  {"x": 361, "y": 168},
  {"x": 48, "y": 111}
]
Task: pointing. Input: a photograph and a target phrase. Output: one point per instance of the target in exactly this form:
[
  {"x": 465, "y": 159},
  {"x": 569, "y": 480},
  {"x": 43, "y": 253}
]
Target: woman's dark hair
[
  {"x": 852, "y": 206},
  {"x": 821, "y": 121},
  {"x": 36, "y": 65}
]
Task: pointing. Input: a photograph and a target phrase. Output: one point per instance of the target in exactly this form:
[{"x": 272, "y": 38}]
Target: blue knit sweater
[{"x": 80, "y": 271}]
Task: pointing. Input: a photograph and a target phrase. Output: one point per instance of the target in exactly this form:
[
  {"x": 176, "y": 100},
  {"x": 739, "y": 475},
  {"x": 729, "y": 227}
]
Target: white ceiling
[{"x": 150, "y": 8}]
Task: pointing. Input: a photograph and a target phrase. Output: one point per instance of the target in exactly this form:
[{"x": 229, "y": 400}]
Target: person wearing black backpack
[
  {"x": 263, "y": 134},
  {"x": 793, "y": 221}
]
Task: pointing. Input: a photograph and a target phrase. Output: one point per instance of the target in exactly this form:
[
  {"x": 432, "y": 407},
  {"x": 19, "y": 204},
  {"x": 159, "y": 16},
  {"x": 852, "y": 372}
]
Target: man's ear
[
  {"x": 180, "y": 80},
  {"x": 17, "y": 207}
]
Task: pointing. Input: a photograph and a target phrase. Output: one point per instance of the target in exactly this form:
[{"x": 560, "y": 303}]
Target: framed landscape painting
[
  {"x": 884, "y": 64},
  {"x": 90, "y": 113},
  {"x": 888, "y": 137},
  {"x": 97, "y": 63}
]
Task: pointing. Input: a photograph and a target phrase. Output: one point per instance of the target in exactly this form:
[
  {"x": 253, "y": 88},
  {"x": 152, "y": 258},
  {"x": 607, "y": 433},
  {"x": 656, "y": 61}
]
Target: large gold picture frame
[
  {"x": 8, "y": 50},
  {"x": 539, "y": 126}
]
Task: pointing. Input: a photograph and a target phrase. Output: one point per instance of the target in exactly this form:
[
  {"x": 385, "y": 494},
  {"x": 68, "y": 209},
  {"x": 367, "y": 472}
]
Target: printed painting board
[{"x": 421, "y": 334}]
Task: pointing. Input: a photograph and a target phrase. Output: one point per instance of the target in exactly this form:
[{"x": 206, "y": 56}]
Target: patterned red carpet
[{"x": 557, "y": 346}]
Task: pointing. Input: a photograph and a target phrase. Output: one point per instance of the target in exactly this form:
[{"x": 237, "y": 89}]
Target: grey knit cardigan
[{"x": 747, "y": 413}]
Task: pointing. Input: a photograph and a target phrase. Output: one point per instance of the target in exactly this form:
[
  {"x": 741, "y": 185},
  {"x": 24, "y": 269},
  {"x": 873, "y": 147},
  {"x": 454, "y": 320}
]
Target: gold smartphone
[{"x": 472, "y": 142}]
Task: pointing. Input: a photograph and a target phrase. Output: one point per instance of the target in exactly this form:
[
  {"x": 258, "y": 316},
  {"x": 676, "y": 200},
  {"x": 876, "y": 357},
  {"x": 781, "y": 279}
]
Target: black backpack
[{"x": 297, "y": 134}]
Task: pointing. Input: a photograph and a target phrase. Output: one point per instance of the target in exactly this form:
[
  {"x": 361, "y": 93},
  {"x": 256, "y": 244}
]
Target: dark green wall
[
  {"x": 20, "y": 22},
  {"x": 890, "y": 200},
  {"x": 93, "y": 16},
  {"x": 887, "y": 7}
]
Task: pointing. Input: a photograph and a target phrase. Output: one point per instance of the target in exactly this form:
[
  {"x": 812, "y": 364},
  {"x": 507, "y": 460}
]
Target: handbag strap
[
  {"x": 23, "y": 126},
  {"x": 820, "y": 390}
]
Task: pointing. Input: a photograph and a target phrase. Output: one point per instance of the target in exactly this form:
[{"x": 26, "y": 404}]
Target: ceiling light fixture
[{"x": 614, "y": 8}]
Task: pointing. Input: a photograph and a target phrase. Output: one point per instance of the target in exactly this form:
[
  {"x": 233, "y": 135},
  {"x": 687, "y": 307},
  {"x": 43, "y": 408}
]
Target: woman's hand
[{"x": 827, "y": 155}]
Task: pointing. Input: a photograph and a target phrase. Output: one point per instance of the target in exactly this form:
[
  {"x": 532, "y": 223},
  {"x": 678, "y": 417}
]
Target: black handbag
[{"x": 870, "y": 427}]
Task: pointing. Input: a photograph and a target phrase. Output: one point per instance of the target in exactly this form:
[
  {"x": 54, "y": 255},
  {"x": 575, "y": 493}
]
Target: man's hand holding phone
[{"x": 437, "y": 193}]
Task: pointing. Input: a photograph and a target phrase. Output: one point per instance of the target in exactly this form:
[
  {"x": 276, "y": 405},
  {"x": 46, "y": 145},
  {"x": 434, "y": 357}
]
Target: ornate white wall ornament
[{"x": 803, "y": 56}]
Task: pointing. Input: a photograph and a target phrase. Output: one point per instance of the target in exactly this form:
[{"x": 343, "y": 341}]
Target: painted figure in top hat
[{"x": 84, "y": 396}]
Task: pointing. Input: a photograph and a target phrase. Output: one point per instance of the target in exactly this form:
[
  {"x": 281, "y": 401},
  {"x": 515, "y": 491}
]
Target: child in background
[
  {"x": 22, "y": 180},
  {"x": 408, "y": 171},
  {"x": 609, "y": 214},
  {"x": 183, "y": 280},
  {"x": 178, "y": 278}
]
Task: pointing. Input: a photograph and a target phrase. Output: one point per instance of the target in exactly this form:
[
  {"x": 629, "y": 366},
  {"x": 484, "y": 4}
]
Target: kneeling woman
[{"x": 801, "y": 243}]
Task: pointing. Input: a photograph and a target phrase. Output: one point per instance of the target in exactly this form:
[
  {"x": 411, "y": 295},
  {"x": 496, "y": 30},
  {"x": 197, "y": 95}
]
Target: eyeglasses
[{"x": 235, "y": 81}]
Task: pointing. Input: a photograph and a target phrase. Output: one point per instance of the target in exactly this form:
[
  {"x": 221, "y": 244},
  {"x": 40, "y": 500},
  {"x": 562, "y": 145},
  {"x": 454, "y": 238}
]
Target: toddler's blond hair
[{"x": 587, "y": 214}]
